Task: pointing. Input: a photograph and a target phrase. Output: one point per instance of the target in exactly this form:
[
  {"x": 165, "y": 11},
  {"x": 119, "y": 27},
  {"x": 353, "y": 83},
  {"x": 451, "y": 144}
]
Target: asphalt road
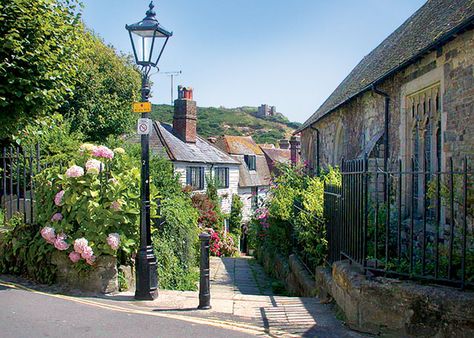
[{"x": 28, "y": 314}]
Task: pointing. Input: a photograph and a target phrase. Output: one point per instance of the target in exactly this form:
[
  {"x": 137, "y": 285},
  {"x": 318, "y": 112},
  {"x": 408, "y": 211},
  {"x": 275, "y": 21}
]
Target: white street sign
[{"x": 144, "y": 126}]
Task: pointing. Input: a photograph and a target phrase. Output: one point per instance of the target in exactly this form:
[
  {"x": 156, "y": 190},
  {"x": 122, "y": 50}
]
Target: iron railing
[
  {"x": 17, "y": 169},
  {"x": 404, "y": 223}
]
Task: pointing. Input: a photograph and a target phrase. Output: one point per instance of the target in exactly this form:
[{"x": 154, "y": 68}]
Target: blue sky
[{"x": 290, "y": 54}]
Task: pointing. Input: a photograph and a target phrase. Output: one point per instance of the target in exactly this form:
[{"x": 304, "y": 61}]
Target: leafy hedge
[
  {"x": 175, "y": 238},
  {"x": 292, "y": 217}
]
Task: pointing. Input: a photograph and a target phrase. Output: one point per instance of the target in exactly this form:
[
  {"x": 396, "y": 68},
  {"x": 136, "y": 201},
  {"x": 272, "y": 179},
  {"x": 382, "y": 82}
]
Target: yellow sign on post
[{"x": 142, "y": 107}]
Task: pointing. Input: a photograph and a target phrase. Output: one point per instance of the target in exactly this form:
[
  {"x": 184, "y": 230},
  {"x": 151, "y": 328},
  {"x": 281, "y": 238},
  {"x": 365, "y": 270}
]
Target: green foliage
[
  {"x": 293, "y": 215},
  {"x": 105, "y": 85},
  {"x": 50, "y": 63},
  {"x": 54, "y": 135},
  {"x": 176, "y": 241},
  {"x": 24, "y": 252},
  {"x": 38, "y": 59},
  {"x": 235, "y": 218},
  {"x": 235, "y": 121},
  {"x": 94, "y": 205},
  {"x": 176, "y": 244}
]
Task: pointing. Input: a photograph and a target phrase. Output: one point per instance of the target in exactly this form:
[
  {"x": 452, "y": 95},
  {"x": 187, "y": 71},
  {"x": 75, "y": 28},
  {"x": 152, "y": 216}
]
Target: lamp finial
[{"x": 150, "y": 13}]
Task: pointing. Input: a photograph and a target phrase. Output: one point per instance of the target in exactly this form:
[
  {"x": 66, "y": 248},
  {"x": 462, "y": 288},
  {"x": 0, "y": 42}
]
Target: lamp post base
[{"x": 147, "y": 277}]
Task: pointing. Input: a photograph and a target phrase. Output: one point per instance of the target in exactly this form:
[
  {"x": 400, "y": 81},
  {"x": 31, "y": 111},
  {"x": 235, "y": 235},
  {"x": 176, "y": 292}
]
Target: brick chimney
[
  {"x": 185, "y": 115},
  {"x": 295, "y": 149},
  {"x": 284, "y": 144}
]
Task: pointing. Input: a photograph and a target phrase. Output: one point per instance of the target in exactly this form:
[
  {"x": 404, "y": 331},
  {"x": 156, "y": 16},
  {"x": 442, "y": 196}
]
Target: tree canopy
[
  {"x": 38, "y": 59},
  {"x": 49, "y": 63}
]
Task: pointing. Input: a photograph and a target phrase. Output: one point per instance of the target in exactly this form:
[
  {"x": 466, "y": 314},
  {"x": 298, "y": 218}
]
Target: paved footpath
[{"x": 241, "y": 299}]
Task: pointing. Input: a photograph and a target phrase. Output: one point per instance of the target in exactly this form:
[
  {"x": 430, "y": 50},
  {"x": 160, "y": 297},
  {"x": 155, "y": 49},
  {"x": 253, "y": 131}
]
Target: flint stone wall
[
  {"x": 393, "y": 307},
  {"x": 102, "y": 279}
]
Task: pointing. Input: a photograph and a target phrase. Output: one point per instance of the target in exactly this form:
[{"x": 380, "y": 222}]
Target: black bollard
[{"x": 204, "y": 282}]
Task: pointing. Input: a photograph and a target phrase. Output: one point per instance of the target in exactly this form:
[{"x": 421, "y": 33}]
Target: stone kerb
[
  {"x": 390, "y": 306},
  {"x": 103, "y": 278}
]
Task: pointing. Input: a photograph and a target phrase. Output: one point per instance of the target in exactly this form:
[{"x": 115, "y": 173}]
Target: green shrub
[
  {"x": 293, "y": 214},
  {"x": 176, "y": 239},
  {"x": 176, "y": 244},
  {"x": 24, "y": 252},
  {"x": 94, "y": 206},
  {"x": 235, "y": 217}
]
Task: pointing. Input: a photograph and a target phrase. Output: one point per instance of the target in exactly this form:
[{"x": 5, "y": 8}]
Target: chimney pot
[
  {"x": 295, "y": 149},
  {"x": 284, "y": 144},
  {"x": 185, "y": 115}
]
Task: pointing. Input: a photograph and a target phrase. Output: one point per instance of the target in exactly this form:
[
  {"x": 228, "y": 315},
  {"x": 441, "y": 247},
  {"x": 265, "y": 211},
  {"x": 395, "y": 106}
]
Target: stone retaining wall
[
  {"x": 290, "y": 270},
  {"x": 102, "y": 279},
  {"x": 402, "y": 308}
]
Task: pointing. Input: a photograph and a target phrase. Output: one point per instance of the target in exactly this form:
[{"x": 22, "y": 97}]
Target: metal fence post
[{"x": 204, "y": 282}]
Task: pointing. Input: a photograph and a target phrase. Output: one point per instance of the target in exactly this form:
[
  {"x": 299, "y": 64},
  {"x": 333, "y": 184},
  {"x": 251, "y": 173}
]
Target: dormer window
[{"x": 251, "y": 161}]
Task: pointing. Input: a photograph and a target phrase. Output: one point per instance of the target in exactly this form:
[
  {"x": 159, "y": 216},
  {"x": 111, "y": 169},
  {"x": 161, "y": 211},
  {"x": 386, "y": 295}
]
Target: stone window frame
[
  {"x": 414, "y": 92},
  {"x": 338, "y": 144}
]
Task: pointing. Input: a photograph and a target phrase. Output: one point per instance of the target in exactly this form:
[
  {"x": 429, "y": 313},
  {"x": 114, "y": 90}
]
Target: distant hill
[{"x": 234, "y": 121}]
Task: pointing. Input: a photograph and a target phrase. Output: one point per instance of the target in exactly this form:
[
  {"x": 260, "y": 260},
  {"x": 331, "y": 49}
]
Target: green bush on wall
[{"x": 293, "y": 214}]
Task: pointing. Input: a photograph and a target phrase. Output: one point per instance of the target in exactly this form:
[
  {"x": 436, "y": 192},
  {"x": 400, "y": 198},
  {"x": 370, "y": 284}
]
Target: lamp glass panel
[{"x": 143, "y": 45}]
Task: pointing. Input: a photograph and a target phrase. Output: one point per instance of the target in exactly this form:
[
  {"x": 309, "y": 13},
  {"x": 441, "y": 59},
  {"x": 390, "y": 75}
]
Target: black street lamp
[{"x": 148, "y": 39}]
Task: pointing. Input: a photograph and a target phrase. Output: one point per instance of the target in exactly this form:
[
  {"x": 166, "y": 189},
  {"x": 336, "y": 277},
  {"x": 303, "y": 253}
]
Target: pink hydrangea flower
[
  {"x": 103, "y": 151},
  {"x": 113, "y": 240},
  {"x": 59, "y": 198},
  {"x": 87, "y": 253},
  {"x": 74, "y": 257},
  {"x": 80, "y": 244},
  {"x": 116, "y": 205},
  {"x": 60, "y": 242},
  {"x": 94, "y": 166},
  {"x": 48, "y": 234},
  {"x": 75, "y": 171},
  {"x": 57, "y": 217}
]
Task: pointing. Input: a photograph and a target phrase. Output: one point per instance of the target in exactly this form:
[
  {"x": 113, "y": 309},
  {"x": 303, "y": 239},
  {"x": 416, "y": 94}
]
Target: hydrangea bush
[{"x": 92, "y": 207}]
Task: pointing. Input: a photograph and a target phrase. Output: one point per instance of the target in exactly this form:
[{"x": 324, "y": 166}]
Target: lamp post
[{"x": 148, "y": 40}]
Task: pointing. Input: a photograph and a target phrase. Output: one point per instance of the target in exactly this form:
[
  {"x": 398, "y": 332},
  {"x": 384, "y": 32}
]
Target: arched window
[{"x": 424, "y": 140}]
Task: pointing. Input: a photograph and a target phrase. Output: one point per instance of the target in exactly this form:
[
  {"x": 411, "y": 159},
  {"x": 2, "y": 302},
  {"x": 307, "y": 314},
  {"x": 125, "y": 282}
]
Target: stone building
[
  {"x": 414, "y": 93},
  {"x": 194, "y": 158},
  {"x": 266, "y": 110}
]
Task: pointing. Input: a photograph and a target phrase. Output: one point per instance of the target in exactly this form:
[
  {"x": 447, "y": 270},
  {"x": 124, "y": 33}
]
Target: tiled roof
[
  {"x": 239, "y": 145},
  {"x": 278, "y": 155},
  {"x": 430, "y": 26},
  {"x": 178, "y": 150},
  {"x": 254, "y": 178},
  {"x": 266, "y": 145}
]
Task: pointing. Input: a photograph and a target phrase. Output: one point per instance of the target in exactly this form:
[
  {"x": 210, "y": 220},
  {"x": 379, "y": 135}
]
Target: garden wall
[
  {"x": 393, "y": 307},
  {"x": 290, "y": 271},
  {"x": 103, "y": 278}
]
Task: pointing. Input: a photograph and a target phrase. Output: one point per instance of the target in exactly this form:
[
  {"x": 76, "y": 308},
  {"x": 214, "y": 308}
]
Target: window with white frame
[
  {"x": 195, "y": 177},
  {"x": 221, "y": 175},
  {"x": 251, "y": 161}
]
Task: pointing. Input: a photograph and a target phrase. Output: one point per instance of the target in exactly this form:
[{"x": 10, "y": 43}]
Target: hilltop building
[
  {"x": 254, "y": 175},
  {"x": 193, "y": 157},
  {"x": 411, "y": 97},
  {"x": 266, "y": 110}
]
